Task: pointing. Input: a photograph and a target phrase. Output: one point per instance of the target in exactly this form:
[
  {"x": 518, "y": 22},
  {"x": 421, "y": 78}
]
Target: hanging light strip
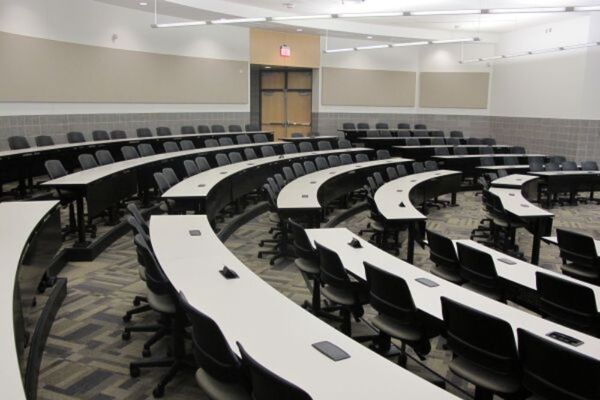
[
  {"x": 531, "y": 53},
  {"x": 403, "y": 44},
  {"x": 529, "y": 10}
]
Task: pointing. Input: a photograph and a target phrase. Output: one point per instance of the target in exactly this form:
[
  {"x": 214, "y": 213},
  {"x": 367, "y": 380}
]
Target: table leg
[
  {"x": 535, "y": 248},
  {"x": 410, "y": 246},
  {"x": 81, "y": 242},
  {"x": 453, "y": 199}
]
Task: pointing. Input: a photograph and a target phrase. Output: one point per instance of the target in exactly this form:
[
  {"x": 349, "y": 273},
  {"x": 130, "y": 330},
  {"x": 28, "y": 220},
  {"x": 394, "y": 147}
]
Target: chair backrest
[
  {"x": 250, "y": 154},
  {"x": 517, "y": 150},
  {"x": 163, "y": 131},
  {"x": 389, "y": 294},
  {"x": 346, "y": 159},
  {"x": 306, "y": 147},
  {"x": 217, "y": 128},
  {"x": 288, "y": 173},
  {"x": 222, "y": 159},
  {"x": 260, "y": 138},
  {"x": 161, "y": 182},
  {"x": 487, "y": 161},
  {"x": 473, "y": 141},
  {"x": 577, "y": 248},
  {"x": 252, "y": 128},
  {"x": 553, "y": 371},
  {"x": 480, "y": 338},
  {"x": 486, "y": 150},
  {"x": 334, "y": 160},
  {"x": 378, "y": 178},
  {"x": 456, "y": 134},
  {"x": 437, "y": 134},
  {"x": 145, "y": 149},
  {"x": 392, "y": 173},
  {"x": 510, "y": 160},
  {"x": 235, "y": 157},
  {"x": 404, "y": 134},
  {"x": 403, "y": 125},
  {"x": 350, "y": 126},
  {"x": 170, "y": 147},
  {"x": 186, "y": 145},
  {"x": 412, "y": 142},
  {"x": 557, "y": 159},
  {"x": 267, "y": 151},
  {"x": 266, "y": 385},
  {"x": 568, "y": 303},
  {"x": 488, "y": 141},
  {"x": 75, "y": 137},
  {"x": 243, "y": 139},
  {"x": 104, "y": 157},
  {"x": 234, "y": 128},
  {"x": 137, "y": 215},
  {"x": 459, "y": 151},
  {"x": 431, "y": 165},
  {"x": 477, "y": 267},
  {"x": 190, "y": 167},
  {"x": 569, "y": 166},
  {"x": 225, "y": 141},
  {"x": 44, "y": 140},
  {"x": 202, "y": 163},
  {"x": 170, "y": 176},
  {"x": 332, "y": 270},
  {"x": 321, "y": 163},
  {"x": 324, "y": 145},
  {"x": 143, "y": 132},
  {"x": 18, "y": 143},
  {"x": 363, "y": 125},
  {"x": 302, "y": 244},
  {"x": 418, "y": 167},
  {"x": 552, "y": 166},
  {"x": 381, "y": 125},
  {"x": 401, "y": 169},
  {"x": 298, "y": 169},
  {"x": 373, "y": 134},
  {"x": 438, "y": 141},
  {"x": 203, "y": 129},
  {"x": 383, "y": 154},
  {"x": 586, "y": 165},
  {"x": 87, "y": 161},
  {"x": 536, "y": 165},
  {"x": 118, "y": 134},
  {"x": 385, "y": 133},
  {"x": 452, "y": 141},
  {"x": 441, "y": 250},
  {"x": 188, "y": 130},
  {"x": 420, "y": 126},
  {"x": 441, "y": 151},
  {"x": 309, "y": 166},
  {"x": 297, "y": 134},
  {"x": 55, "y": 169},
  {"x": 344, "y": 144},
  {"x": 289, "y": 148},
  {"x": 211, "y": 143},
  {"x": 280, "y": 180},
  {"x": 361, "y": 157},
  {"x": 129, "y": 153},
  {"x": 100, "y": 135},
  {"x": 209, "y": 346}
]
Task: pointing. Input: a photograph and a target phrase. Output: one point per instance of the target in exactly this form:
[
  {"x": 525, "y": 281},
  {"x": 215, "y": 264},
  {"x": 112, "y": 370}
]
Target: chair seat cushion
[
  {"x": 218, "y": 390},
  {"x": 492, "y": 294},
  {"x": 307, "y": 266},
  {"x": 579, "y": 272},
  {"x": 483, "y": 377},
  {"x": 397, "y": 329},
  {"x": 345, "y": 297},
  {"x": 161, "y": 303}
]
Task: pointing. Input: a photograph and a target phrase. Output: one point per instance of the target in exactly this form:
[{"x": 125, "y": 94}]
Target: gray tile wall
[{"x": 58, "y": 125}]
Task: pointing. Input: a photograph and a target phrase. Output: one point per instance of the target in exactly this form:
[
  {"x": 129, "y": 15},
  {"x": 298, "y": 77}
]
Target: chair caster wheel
[
  {"x": 126, "y": 318},
  {"x": 126, "y": 335},
  {"x": 158, "y": 392},
  {"x": 146, "y": 353},
  {"x": 134, "y": 371}
]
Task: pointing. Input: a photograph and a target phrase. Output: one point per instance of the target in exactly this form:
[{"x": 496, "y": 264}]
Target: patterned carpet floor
[{"x": 86, "y": 358}]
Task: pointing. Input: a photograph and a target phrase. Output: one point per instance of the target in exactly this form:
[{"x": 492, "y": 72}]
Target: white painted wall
[{"x": 94, "y": 23}]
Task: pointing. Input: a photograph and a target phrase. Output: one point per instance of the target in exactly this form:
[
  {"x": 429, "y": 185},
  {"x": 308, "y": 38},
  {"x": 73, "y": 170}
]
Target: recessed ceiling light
[
  {"x": 299, "y": 30},
  {"x": 143, "y": 3},
  {"x": 268, "y": 67},
  {"x": 369, "y": 37}
]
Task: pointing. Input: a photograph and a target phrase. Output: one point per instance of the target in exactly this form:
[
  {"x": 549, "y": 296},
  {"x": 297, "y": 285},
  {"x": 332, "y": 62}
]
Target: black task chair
[
  {"x": 488, "y": 141},
  {"x": 234, "y": 128},
  {"x": 55, "y": 170},
  {"x": 348, "y": 126},
  {"x": 420, "y": 126},
  {"x": 486, "y": 150},
  {"x": 418, "y": 167},
  {"x": 305, "y": 147},
  {"x": 437, "y": 141},
  {"x": 118, "y": 134},
  {"x": 267, "y": 151},
  {"x": 324, "y": 145},
  {"x": 235, "y": 157},
  {"x": 578, "y": 252},
  {"x": 363, "y": 126},
  {"x": 170, "y": 147},
  {"x": 186, "y": 145},
  {"x": 397, "y": 316},
  {"x": 568, "y": 303},
  {"x": 553, "y": 371},
  {"x": 18, "y": 143},
  {"x": 452, "y": 141},
  {"x": 569, "y": 166},
  {"x": 129, "y": 153},
  {"x": 188, "y": 130},
  {"x": 518, "y": 150},
  {"x": 478, "y": 269},
  {"x": 510, "y": 160},
  {"x": 344, "y": 144},
  {"x": 441, "y": 151},
  {"x": 252, "y": 128},
  {"x": 75, "y": 137},
  {"x": 243, "y": 139},
  {"x": 443, "y": 255},
  {"x": 321, "y": 163},
  {"x": 456, "y": 134},
  {"x": 202, "y": 163},
  {"x": 474, "y": 141},
  {"x": 217, "y": 128},
  {"x": 266, "y": 385},
  {"x": 203, "y": 129},
  {"x": 260, "y": 138},
  {"x": 431, "y": 165},
  {"x": 143, "y": 132},
  {"x": 391, "y": 173},
  {"x": 349, "y": 295},
  {"x": 289, "y": 148},
  {"x": 145, "y": 149},
  {"x": 211, "y": 143},
  {"x": 219, "y": 372},
  {"x": 309, "y": 166},
  {"x": 100, "y": 135},
  {"x": 334, "y": 160},
  {"x": 403, "y": 125},
  {"x": 298, "y": 169},
  {"x": 382, "y": 125},
  {"x": 346, "y": 159},
  {"x": 191, "y": 168},
  {"x": 170, "y": 176},
  {"x": 87, "y": 161},
  {"x": 460, "y": 151},
  {"x": 221, "y": 159},
  {"x": 163, "y": 131},
  {"x": 361, "y": 157},
  {"x": 104, "y": 157},
  {"x": 44, "y": 140},
  {"x": 225, "y": 141},
  {"x": 536, "y": 165},
  {"x": 383, "y": 154},
  {"x": 484, "y": 348},
  {"x": 586, "y": 165},
  {"x": 288, "y": 174},
  {"x": 403, "y": 134},
  {"x": 250, "y": 154}
]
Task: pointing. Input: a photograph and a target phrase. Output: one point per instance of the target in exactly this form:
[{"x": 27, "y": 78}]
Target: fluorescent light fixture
[
  {"x": 444, "y": 12},
  {"x": 586, "y": 8},
  {"x": 403, "y": 44},
  {"x": 237, "y": 20},
  {"x": 374, "y": 47},
  {"x": 408, "y": 44},
  {"x": 340, "y": 50},
  {"x": 448, "y": 41},
  {"x": 300, "y": 17},
  {"x": 143, "y": 3},
  {"x": 533, "y": 52},
  {"x": 527, "y": 10},
  {"x": 371, "y": 14},
  {"x": 179, "y": 24},
  {"x": 580, "y": 46},
  {"x": 542, "y": 51}
]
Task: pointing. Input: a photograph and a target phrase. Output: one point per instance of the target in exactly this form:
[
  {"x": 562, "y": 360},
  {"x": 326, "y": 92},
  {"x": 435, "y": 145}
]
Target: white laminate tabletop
[
  {"x": 302, "y": 192},
  {"x": 515, "y": 180},
  {"x": 514, "y": 202},
  {"x": 88, "y": 176},
  {"x": 554, "y": 240},
  {"x": 499, "y": 167},
  {"x": 449, "y": 146},
  {"x": 277, "y": 332},
  {"x": 201, "y": 184},
  {"x": 560, "y": 173},
  {"x": 522, "y": 273},
  {"x": 18, "y": 219},
  {"x": 487, "y": 156},
  {"x": 301, "y": 138},
  {"x": 428, "y": 299},
  {"x": 393, "y": 198}
]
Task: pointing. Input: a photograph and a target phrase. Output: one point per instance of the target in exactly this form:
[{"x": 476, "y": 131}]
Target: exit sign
[{"x": 285, "y": 51}]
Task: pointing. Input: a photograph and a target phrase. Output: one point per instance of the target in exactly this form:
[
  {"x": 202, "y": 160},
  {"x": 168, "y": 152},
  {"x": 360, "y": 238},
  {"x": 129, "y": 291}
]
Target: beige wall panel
[
  {"x": 454, "y": 89},
  {"x": 264, "y": 49},
  {"x": 40, "y": 70},
  {"x": 374, "y": 88}
]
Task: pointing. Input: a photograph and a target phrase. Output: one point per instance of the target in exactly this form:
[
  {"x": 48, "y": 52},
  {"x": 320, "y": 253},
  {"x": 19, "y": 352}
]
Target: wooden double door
[{"x": 286, "y": 102}]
